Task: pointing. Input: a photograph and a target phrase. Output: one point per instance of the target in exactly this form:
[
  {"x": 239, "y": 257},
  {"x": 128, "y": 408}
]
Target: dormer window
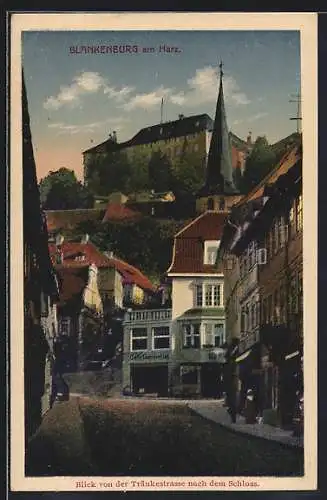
[
  {"x": 80, "y": 258},
  {"x": 210, "y": 252}
]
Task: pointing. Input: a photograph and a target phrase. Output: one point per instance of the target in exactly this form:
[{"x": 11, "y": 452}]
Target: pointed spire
[{"x": 219, "y": 175}]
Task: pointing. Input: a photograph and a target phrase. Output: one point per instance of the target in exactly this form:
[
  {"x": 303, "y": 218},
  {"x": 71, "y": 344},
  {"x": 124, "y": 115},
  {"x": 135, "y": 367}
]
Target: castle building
[
  {"x": 219, "y": 192},
  {"x": 187, "y": 135}
]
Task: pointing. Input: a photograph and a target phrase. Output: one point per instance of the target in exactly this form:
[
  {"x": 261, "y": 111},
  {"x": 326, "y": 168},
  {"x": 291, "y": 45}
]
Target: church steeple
[{"x": 219, "y": 173}]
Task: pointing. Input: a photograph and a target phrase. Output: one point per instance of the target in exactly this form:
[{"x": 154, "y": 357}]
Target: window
[
  {"x": 139, "y": 339},
  {"x": 300, "y": 291},
  {"x": 64, "y": 326},
  {"x": 222, "y": 204},
  {"x": 243, "y": 319},
  {"x": 212, "y": 295},
  {"x": 253, "y": 315},
  {"x": 196, "y": 148},
  {"x": 199, "y": 295},
  {"x": 210, "y": 204},
  {"x": 269, "y": 309},
  {"x": 209, "y": 295},
  {"x": 282, "y": 302},
  {"x": 299, "y": 214},
  {"x": 160, "y": 337},
  {"x": 210, "y": 252},
  {"x": 276, "y": 318},
  {"x": 293, "y": 296},
  {"x": 218, "y": 334},
  {"x": 192, "y": 335},
  {"x": 208, "y": 334}
]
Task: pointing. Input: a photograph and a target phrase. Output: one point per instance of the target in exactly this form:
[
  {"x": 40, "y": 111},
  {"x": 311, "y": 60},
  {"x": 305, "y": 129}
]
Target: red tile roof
[
  {"x": 131, "y": 274},
  {"x": 72, "y": 282},
  {"x": 189, "y": 244},
  {"x": 116, "y": 211},
  {"x": 68, "y": 219},
  {"x": 71, "y": 250}
]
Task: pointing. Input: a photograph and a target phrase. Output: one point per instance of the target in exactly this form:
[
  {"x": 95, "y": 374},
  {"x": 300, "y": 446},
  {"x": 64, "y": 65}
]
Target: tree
[
  {"x": 258, "y": 164},
  {"x": 160, "y": 172},
  {"x": 139, "y": 173},
  {"x": 110, "y": 172},
  {"x": 60, "y": 190},
  {"x": 188, "y": 174}
]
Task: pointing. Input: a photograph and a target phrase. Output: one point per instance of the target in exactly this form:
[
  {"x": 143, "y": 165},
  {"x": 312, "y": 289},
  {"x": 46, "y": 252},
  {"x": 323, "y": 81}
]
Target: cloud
[
  {"x": 120, "y": 94},
  {"x": 65, "y": 128},
  {"x": 147, "y": 100},
  {"x": 257, "y": 117},
  {"x": 87, "y": 82},
  {"x": 201, "y": 88}
]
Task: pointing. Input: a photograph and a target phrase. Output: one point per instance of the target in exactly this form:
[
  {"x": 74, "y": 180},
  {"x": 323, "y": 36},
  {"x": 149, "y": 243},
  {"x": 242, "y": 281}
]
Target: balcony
[
  {"x": 249, "y": 282},
  {"x": 148, "y": 315}
]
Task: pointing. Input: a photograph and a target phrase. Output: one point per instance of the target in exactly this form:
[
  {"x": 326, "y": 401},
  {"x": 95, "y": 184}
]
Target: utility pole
[
  {"x": 161, "y": 111},
  {"x": 297, "y": 99}
]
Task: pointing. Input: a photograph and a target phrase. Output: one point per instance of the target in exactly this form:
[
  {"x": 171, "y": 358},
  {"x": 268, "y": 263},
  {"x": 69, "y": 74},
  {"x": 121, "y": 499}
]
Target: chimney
[
  {"x": 59, "y": 240},
  {"x": 114, "y": 136},
  {"x": 181, "y": 117},
  {"x": 85, "y": 239},
  {"x": 249, "y": 139}
]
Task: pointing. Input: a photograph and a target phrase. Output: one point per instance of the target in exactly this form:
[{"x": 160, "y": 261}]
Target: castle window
[
  {"x": 222, "y": 204},
  {"x": 210, "y": 204}
]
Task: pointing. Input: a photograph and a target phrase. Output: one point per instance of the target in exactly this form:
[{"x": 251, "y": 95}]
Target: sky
[{"x": 77, "y": 99}]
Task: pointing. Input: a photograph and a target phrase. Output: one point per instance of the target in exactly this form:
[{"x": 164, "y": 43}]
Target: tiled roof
[
  {"x": 189, "y": 244},
  {"x": 72, "y": 282},
  {"x": 287, "y": 161},
  {"x": 116, "y": 211},
  {"x": 71, "y": 250},
  {"x": 131, "y": 274},
  {"x": 161, "y": 131},
  {"x": 68, "y": 219}
]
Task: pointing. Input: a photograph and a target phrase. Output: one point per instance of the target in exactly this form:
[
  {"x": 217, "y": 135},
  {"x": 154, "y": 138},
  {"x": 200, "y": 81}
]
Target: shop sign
[
  {"x": 148, "y": 356},
  {"x": 217, "y": 355}
]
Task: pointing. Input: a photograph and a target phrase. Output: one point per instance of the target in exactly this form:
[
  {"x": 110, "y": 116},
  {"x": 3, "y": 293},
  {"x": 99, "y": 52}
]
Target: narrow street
[{"x": 85, "y": 437}]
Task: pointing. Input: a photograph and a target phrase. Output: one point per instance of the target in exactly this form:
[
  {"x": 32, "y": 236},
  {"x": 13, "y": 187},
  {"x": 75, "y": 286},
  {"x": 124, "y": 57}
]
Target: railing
[{"x": 148, "y": 315}]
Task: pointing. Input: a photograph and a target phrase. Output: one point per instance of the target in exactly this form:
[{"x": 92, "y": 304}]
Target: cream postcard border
[{"x": 306, "y": 23}]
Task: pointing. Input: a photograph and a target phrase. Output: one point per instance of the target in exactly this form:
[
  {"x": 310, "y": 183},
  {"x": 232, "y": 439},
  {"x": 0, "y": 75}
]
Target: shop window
[
  {"x": 139, "y": 339},
  {"x": 192, "y": 335},
  {"x": 161, "y": 337}
]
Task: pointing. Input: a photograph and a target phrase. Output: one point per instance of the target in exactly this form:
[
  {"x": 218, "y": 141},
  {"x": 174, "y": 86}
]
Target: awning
[
  {"x": 292, "y": 355},
  {"x": 243, "y": 356}
]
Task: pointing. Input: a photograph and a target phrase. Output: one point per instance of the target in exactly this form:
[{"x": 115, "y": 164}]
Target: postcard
[{"x": 163, "y": 217}]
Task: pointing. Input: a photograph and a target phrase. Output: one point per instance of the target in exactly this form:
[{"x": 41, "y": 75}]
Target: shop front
[
  {"x": 145, "y": 373},
  {"x": 199, "y": 373}
]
